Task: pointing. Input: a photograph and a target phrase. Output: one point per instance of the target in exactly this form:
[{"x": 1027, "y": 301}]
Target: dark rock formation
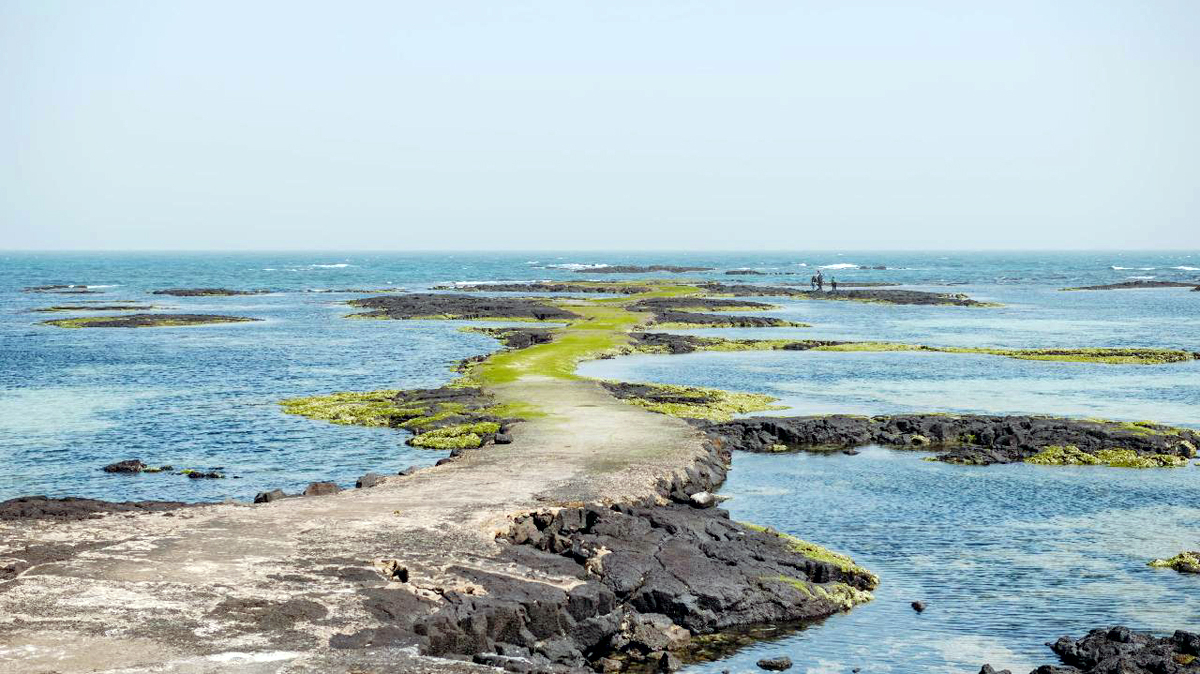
[
  {"x": 70, "y": 289},
  {"x": 776, "y": 664},
  {"x": 206, "y": 292},
  {"x": 883, "y": 296},
  {"x": 721, "y": 320},
  {"x": 269, "y": 496},
  {"x": 637, "y": 269},
  {"x": 369, "y": 480},
  {"x": 689, "y": 303},
  {"x": 321, "y": 489},
  {"x": 1120, "y": 650},
  {"x": 126, "y": 466},
  {"x": 519, "y": 338},
  {"x": 547, "y": 287},
  {"x": 650, "y": 576},
  {"x": 1132, "y": 285},
  {"x": 969, "y": 438},
  {"x": 202, "y": 474},
  {"x": 434, "y": 305},
  {"x": 918, "y": 606},
  {"x": 95, "y": 307},
  {"x": 745, "y": 272},
  {"x": 688, "y": 343},
  {"x": 70, "y": 508},
  {"x": 147, "y": 321}
]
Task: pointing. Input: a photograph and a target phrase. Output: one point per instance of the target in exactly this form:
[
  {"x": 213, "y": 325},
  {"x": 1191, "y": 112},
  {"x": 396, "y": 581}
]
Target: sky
[{"x": 606, "y": 125}]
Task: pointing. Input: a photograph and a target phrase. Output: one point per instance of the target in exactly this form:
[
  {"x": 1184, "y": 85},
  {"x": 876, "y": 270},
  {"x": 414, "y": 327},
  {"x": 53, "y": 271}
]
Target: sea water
[{"x": 1005, "y": 557}]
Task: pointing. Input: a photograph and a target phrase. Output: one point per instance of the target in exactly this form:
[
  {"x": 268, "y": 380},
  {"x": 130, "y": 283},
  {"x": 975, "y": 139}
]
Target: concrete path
[{"x": 189, "y": 591}]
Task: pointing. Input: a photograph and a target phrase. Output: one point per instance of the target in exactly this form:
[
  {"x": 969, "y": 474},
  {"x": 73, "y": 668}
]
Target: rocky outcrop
[
  {"x": 95, "y": 307},
  {"x": 147, "y": 321},
  {"x": 971, "y": 439},
  {"x": 1120, "y": 650},
  {"x": 206, "y": 292},
  {"x": 62, "y": 289},
  {"x": 546, "y": 287},
  {"x": 721, "y": 320},
  {"x": 867, "y": 295},
  {"x": 638, "y": 269},
  {"x": 70, "y": 508},
  {"x": 693, "y": 303},
  {"x": 649, "y": 577},
  {"x": 518, "y": 338},
  {"x": 1133, "y": 285},
  {"x": 465, "y": 307},
  {"x": 1184, "y": 562}
]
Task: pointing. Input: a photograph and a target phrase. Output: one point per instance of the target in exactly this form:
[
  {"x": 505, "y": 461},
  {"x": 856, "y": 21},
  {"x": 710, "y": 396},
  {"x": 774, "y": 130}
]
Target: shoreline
[{"x": 426, "y": 545}]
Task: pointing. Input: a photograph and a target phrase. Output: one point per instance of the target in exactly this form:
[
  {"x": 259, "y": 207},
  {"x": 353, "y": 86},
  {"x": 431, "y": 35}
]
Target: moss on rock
[
  {"x": 1184, "y": 562},
  {"x": 1070, "y": 455},
  {"x": 691, "y": 402}
]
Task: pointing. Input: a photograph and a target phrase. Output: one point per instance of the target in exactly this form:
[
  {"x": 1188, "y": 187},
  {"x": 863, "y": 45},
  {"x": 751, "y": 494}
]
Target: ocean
[{"x": 1006, "y": 557}]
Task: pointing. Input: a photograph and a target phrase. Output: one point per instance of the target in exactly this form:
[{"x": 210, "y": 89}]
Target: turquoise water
[{"x": 1007, "y": 557}]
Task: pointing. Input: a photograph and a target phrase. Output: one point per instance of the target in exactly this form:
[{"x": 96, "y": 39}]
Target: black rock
[
  {"x": 321, "y": 489},
  {"x": 269, "y": 496},
  {"x": 369, "y": 480},
  {"x": 918, "y": 606},
  {"x": 449, "y": 305},
  {"x": 407, "y": 471},
  {"x": 987, "y": 669},
  {"x": 777, "y": 664},
  {"x": 202, "y": 474},
  {"x": 127, "y": 466},
  {"x": 502, "y": 439}
]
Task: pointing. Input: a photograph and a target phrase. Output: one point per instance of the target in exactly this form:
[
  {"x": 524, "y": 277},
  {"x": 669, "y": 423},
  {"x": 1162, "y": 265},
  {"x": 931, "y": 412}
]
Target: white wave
[
  {"x": 1140, "y": 278},
  {"x": 844, "y": 265},
  {"x": 270, "y": 269},
  {"x": 575, "y": 265},
  {"x": 532, "y": 262},
  {"x": 1181, "y": 268},
  {"x": 1133, "y": 268},
  {"x": 339, "y": 265},
  {"x": 105, "y": 286},
  {"x": 802, "y": 264}
]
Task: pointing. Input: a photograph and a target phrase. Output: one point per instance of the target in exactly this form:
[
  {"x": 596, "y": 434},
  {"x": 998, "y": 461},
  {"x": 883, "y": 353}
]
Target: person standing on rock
[
  {"x": 813, "y": 281},
  {"x": 833, "y": 283}
]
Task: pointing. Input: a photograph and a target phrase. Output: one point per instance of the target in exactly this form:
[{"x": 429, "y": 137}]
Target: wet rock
[
  {"x": 686, "y": 303},
  {"x": 519, "y": 338},
  {"x": 146, "y": 321},
  {"x": 201, "y": 474},
  {"x": 546, "y": 287},
  {"x": 918, "y": 606},
  {"x": 321, "y": 489},
  {"x": 126, "y": 466},
  {"x": 721, "y": 320},
  {"x": 269, "y": 496},
  {"x": 745, "y": 272},
  {"x": 407, "y": 471},
  {"x": 70, "y": 508},
  {"x": 777, "y": 664},
  {"x": 1131, "y": 285},
  {"x": 1120, "y": 650},
  {"x": 502, "y": 439},
  {"x": 639, "y": 269},
  {"x": 61, "y": 289},
  {"x": 206, "y": 292},
  {"x": 668, "y": 662},
  {"x": 436, "y": 305},
  {"x": 369, "y": 480},
  {"x": 987, "y": 669},
  {"x": 968, "y": 438},
  {"x": 866, "y": 295}
]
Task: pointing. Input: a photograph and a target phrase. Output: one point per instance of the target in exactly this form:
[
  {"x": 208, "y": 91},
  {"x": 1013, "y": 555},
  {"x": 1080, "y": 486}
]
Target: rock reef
[
  {"x": 971, "y": 439},
  {"x": 1133, "y": 285},
  {"x": 1184, "y": 562},
  {"x": 206, "y": 292},
  {"x": 62, "y": 289},
  {"x": 547, "y": 287},
  {"x": 918, "y": 297},
  {"x": 71, "y": 508},
  {"x": 95, "y": 307},
  {"x": 1120, "y": 650},
  {"x": 147, "y": 321},
  {"x": 639, "y": 269},
  {"x": 459, "y": 307}
]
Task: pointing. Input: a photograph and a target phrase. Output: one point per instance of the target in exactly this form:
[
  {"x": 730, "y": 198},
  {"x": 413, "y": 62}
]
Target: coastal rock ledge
[{"x": 1120, "y": 650}]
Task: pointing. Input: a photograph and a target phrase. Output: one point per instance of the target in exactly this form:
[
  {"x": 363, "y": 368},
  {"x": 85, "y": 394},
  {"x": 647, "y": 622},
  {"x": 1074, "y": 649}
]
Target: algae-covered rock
[
  {"x": 459, "y": 307},
  {"x": 206, "y": 292},
  {"x": 147, "y": 321},
  {"x": 974, "y": 439},
  {"x": 690, "y": 402},
  {"x": 1184, "y": 562}
]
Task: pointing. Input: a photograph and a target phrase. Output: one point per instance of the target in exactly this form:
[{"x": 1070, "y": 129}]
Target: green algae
[
  {"x": 1184, "y": 562},
  {"x": 691, "y": 402},
  {"x": 816, "y": 552},
  {"x": 1070, "y": 455},
  {"x": 145, "y": 321},
  {"x": 458, "y": 436},
  {"x": 368, "y": 408}
]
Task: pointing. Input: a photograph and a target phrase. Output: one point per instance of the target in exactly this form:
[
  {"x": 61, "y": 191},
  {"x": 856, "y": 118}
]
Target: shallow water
[{"x": 1007, "y": 557}]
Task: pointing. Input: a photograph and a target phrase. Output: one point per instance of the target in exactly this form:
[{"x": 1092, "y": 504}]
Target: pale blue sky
[{"x": 599, "y": 125}]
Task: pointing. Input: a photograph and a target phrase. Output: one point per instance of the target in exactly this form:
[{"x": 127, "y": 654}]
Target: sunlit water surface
[{"x": 1006, "y": 557}]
